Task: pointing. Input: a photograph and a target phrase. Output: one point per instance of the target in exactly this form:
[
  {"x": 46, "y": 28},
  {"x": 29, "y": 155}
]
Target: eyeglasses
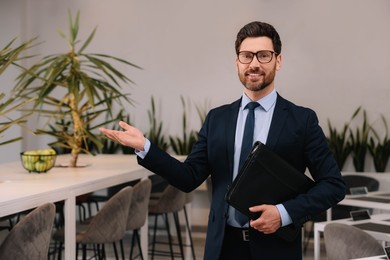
[{"x": 246, "y": 57}]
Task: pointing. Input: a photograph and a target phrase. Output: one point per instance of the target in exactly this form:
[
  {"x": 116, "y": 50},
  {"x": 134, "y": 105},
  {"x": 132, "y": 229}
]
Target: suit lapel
[
  {"x": 231, "y": 133},
  {"x": 278, "y": 119}
]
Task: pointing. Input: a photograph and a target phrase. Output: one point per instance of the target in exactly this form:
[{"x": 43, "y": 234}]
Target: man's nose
[{"x": 254, "y": 63}]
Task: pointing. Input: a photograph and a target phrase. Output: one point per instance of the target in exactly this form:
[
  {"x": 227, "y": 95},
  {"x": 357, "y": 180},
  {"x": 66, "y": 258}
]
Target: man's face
[{"x": 256, "y": 76}]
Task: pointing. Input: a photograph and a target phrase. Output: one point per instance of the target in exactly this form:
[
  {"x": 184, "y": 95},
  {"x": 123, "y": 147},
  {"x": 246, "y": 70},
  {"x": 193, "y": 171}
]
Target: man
[{"x": 289, "y": 130}]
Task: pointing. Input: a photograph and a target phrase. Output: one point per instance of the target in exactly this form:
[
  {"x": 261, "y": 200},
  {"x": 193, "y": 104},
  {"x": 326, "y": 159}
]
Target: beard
[{"x": 257, "y": 85}]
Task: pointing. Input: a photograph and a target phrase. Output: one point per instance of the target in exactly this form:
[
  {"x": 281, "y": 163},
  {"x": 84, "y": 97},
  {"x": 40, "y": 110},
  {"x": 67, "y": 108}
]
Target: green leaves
[
  {"x": 183, "y": 145},
  {"x": 9, "y": 56},
  {"x": 77, "y": 88},
  {"x": 155, "y": 133},
  {"x": 358, "y": 141},
  {"x": 338, "y": 144},
  {"x": 380, "y": 149}
]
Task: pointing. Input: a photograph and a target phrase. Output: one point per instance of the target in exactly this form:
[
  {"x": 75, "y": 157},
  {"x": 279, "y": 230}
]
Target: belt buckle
[{"x": 245, "y": 235}]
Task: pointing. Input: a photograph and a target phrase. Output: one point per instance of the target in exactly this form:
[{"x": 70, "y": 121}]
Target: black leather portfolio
[{"x": 266, "y": 178}]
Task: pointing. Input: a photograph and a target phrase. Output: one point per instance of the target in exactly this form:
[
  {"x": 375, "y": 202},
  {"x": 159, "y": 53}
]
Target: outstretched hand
[{"x": 130, "y": 136}]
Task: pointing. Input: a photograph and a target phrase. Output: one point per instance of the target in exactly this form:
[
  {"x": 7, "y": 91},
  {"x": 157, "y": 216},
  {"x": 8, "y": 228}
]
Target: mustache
[{"x": 257, "y": 70}]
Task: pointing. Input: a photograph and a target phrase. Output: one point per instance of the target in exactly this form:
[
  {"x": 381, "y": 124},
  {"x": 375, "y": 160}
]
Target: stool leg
[
  {"x": 116, "y": 251},
  {"x": 60, "y": 250},
  {"x": 169, "y": 236},
  {"x": 139, "y": 244},
  {"x": 135, "y": 239},
  {"x": 178, "y": 231},
  {"x": 189, "y": 233},
  {"x": 154, "y": 236},
  {"x": 132, "y": 245},
  {"x": 84, "y": 247}
]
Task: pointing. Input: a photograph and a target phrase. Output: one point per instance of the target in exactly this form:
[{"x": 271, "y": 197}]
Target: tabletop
[
  {"x": 375, "y": 200},
  {"x": 21, "y": 190}
]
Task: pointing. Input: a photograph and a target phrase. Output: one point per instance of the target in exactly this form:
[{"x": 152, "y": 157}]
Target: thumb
[{"x": 124, "y": 125}]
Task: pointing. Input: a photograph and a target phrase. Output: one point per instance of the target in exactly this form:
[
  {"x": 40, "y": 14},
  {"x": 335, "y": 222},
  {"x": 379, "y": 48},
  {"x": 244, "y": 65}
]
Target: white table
[
  {"x": 368, "y": 200},
  {"x": 378, "y": 218},
  {"x": 20, "y": 190},
  {"x": 378, "y": 257}
]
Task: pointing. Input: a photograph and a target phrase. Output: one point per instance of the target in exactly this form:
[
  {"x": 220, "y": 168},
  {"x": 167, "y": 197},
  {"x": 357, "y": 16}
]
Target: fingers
[
  {"x": 110, "y": 134},
  {"x": 124, "y": 125},
  {"x": 269, "y": 221},
  {"x": 257, "y": 208},
  {"x": 130, "y": 136}
]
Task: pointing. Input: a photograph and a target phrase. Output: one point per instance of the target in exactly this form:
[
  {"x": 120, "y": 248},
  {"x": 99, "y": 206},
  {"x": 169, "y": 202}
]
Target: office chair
[
  {"x": 344, "y": 241},
  {"x": 107, "y": 226},
  {"x": 30, "y": 237},
  {"x": 341, "y": 211}
]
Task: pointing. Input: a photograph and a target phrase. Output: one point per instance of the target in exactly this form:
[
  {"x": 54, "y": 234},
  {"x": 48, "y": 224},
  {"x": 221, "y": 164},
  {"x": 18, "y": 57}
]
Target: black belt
[{"x": 240, "y": 233}]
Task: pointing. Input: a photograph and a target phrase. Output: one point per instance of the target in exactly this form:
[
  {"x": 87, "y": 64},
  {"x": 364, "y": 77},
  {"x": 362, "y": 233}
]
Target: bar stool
[
  {"x": 30, "y": 237},
  {"x": 138, "y": 213},
  {"x": 170, "y": 201},
  {"x": 107, "y": 226},
  {"x": 344, "y": 241}
]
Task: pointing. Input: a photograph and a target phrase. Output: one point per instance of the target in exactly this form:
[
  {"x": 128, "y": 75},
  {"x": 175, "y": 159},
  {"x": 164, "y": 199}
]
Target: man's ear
[{"x": 279, "y": 62}]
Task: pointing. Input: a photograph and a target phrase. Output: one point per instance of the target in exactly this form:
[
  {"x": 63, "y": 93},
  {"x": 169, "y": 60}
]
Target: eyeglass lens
[{"x": 262, "y": 56}]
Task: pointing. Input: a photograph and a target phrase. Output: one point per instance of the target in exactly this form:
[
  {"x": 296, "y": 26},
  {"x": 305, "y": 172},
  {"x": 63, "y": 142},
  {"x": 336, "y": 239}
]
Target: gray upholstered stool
[
  {"x": 138, "y": 213},
  {"x": 170, "y": 201},
  {"x": 343, "y": 241},
  {"x": 107, "y": 226},
  {"x": 30, "y": 237}
]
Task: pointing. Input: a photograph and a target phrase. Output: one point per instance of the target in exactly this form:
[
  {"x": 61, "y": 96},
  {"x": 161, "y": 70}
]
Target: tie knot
[{"x": 252, "y": 105}]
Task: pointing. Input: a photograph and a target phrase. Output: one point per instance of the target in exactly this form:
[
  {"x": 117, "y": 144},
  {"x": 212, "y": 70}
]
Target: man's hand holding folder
[
  {"x": 265, "y": 178},
  {"x": 270, "y": 219}
]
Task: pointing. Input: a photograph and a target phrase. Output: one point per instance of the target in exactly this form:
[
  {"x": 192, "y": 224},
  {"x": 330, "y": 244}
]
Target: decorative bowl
[{"x": 38, "y": 160}]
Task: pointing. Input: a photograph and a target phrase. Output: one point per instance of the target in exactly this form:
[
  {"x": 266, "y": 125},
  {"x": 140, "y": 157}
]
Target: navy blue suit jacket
[{"x": 294, "y": 134}]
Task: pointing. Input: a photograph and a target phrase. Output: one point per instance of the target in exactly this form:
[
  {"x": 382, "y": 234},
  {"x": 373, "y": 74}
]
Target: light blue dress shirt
[{"x": 263, "y": 118}]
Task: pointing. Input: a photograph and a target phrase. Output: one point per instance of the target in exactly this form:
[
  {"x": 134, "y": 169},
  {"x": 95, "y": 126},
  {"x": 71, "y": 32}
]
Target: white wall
[
  {"x": 335, "y": 53},
  {"x": 11, "y": 20}
]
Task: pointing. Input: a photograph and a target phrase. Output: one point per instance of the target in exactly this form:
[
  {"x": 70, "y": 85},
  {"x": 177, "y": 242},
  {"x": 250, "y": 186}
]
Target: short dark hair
[{"x": 259, "y": 29}]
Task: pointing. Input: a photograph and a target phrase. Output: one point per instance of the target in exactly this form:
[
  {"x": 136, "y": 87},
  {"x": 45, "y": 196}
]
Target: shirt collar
[{"x": 266, "y": 102}]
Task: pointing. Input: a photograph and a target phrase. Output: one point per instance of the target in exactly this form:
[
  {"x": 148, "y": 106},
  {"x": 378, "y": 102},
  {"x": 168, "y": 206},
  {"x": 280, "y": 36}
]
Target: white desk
[
  {"x": 20, "y": 190},
  {"x": 375, "y": 200},
  {"x": 378, "y": 257},
  {"x": 378, "y": 218}
]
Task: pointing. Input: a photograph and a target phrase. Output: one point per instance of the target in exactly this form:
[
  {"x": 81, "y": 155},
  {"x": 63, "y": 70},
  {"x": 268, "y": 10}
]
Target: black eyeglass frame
[{"x": 257, "y": 56}]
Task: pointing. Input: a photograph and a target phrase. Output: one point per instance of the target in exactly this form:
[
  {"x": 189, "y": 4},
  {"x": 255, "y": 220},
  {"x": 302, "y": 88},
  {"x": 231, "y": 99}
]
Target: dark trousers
[{"x": 235, "y": 245}]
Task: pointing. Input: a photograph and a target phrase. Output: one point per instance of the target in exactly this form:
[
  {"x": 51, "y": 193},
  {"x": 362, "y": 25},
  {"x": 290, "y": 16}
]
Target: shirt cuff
[
  {"x": 285, "y": 217},
  {"x": 143, "y": 153}
]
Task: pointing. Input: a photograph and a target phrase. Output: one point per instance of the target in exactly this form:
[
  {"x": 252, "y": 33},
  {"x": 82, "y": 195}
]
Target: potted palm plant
[
  {"x": 183, "y": 145},
  {"x": 358, "y": 141},
  {"x": 380, "y": 148},
  {"x": 76, "y": 87},
  {"x": 338, "y": 144},
  {"x": 9, "y": 56},
  {"x": 155, "y": 133}
]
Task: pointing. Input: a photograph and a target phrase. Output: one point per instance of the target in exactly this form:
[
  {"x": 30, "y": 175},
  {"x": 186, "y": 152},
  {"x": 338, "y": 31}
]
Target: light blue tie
[{"x": 247, "y": 142}]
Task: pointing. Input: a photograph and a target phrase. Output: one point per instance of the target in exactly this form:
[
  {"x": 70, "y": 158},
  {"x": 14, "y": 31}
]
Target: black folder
[{"x": 266, "y": 178}]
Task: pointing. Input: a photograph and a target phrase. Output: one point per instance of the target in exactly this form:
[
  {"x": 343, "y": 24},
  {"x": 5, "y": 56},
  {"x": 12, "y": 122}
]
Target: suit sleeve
[{"x": 329, "y": 186}]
